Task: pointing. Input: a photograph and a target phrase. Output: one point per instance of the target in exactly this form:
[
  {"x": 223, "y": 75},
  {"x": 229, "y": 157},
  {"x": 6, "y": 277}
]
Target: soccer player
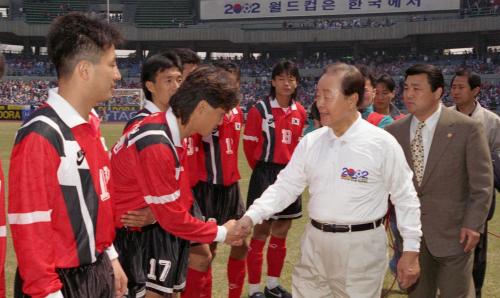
[
  {"x": 198, "y": 281},
  {"x": 218, "y": 191},
  {"x": 161, "y": 76},
  {"x": 273, "y": 130},
  {"x": 190, "y": 60},
  {"x": 3, "y": 226},
  {"x": 147, "y": 163},
  {"x": 60, "y": 199}
]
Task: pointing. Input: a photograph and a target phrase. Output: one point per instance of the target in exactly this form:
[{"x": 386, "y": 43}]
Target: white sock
[
  {"x": 253, "y": 288},
  {"x": 272, "y": 282}
]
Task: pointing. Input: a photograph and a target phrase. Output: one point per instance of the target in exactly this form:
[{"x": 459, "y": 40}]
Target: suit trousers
[
  {"x": 451, "y": 275},
  {"x": 339, "y": 265},
  {"x": 480, "y": 256}
]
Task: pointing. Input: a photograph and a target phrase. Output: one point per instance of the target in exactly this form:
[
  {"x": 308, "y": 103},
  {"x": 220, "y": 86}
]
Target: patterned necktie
[{"x": 417, "y": 153}]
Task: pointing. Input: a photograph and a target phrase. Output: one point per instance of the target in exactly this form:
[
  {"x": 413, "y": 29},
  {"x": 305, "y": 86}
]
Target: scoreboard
[{"x": 252, "y": 9}]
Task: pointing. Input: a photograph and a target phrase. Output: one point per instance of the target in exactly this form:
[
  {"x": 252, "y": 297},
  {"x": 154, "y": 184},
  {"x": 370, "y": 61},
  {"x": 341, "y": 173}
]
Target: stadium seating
[{"x": 163, "y": 13}]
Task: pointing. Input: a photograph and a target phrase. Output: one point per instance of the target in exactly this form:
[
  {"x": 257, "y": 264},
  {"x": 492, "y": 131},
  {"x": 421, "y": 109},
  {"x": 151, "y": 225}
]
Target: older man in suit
[
  {"x": 453, "y": 176},
  {"x": 465, "y": 87}
]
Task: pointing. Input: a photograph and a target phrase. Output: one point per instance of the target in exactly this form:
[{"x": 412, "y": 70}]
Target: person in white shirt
[{"x": 351, "y": 167}]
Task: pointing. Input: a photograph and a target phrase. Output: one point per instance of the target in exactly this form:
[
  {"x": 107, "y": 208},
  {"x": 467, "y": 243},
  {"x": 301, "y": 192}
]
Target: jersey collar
[
  {"x": 150, "y": 106},
  {"x": 64, "y": 109},
  {"x": 174, "y": 127}
]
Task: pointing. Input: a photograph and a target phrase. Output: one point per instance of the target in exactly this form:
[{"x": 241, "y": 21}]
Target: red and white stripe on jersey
[
  {"x": 219, "y": 164},
  {"x": 147, "y": 171},
  {"x": 60, "y": 208},
  {"x": 272, "y": 133},
  {"x": 3, "y": 233}
]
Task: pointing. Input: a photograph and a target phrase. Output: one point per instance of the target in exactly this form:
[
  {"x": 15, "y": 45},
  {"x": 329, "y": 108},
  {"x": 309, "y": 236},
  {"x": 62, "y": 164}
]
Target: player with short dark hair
[
  {"x": 190, "y": 60},
  {"x": 198, "y": 281},
  {"x": 161, "y": 76},
  {"x": 273, "y": 130},
  {"x": 157, "y": 178},
  {"x": 60, "y": 197},
  {"x": 217, "y": 191}
]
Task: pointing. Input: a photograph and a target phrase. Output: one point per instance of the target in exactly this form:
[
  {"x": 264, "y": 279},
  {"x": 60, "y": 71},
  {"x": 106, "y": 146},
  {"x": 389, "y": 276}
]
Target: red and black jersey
[
  {"x": 220, "y": 151},
  {"x": 141, "y": 114},
  {"x": 147, "y": 169},
  {"x": 149, "y": 108},
  {"x": 193, "y": 158},
  {"x": 3, "y": 233},
  {"x": 60, "y": 205},
  {"x": 272, "y": 132}
]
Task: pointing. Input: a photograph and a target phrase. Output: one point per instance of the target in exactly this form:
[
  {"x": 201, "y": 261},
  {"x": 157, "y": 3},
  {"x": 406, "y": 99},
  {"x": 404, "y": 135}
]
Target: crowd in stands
[
  {"x": 480, "y": 6},
  {"x": 256, "y": 73},
  {"x": 38, "y": 65}
]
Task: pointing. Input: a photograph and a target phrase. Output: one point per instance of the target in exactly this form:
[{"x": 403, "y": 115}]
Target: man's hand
[
  {"x": 138, "y": 218},
  {"x": 470, "y": 237},
  {"x": 246, "y": 225},
  {"x": 408, "y": 269},
  {"x": 120, "y": 279},
  {"x": 234, "y": 236}
]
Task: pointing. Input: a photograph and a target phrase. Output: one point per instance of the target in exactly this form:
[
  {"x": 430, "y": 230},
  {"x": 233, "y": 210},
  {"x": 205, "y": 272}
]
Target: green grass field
[{"x": 112, "y": 132}]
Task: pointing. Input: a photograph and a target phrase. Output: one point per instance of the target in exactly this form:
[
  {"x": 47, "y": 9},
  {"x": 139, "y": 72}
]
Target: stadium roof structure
[{"x": 148, "y": 25}]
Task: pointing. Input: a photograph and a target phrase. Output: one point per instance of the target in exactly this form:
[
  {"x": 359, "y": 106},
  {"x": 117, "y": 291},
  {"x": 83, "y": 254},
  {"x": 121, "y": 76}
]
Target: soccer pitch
[{"x": 113, "y": 131}]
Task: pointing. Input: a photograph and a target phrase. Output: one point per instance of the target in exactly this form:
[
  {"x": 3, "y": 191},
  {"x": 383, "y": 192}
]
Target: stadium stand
[{"x": 164, "y": 13}]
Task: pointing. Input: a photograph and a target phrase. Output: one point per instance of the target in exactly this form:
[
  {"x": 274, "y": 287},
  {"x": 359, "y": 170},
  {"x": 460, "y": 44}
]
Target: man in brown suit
[{"x": 453, "y": 176}]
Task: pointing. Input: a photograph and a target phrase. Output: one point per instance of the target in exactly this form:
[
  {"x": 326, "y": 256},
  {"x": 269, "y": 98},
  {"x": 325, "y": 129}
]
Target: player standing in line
[
  {"x": 3, "y": 225},
  {"x": 273, "y": 130},
  {"x": 218, "y": 192},
  {"x": 161, "y": 183},
  {"x": 161, "y": 77},
  {"x": 60, "y": 199},
  {"x": 198, "y": 281}
]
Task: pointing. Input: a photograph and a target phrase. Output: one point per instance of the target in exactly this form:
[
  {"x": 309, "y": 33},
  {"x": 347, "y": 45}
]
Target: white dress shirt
[
  {"x": 427, "y": 131},
  {"x": 349, "y": 178}
]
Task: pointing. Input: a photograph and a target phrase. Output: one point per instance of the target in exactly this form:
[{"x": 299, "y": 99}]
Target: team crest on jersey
[
  {"x": 354, "y": 175},
  {"x": 237, "y": 126},
  {"x": 295, "y": 121}
]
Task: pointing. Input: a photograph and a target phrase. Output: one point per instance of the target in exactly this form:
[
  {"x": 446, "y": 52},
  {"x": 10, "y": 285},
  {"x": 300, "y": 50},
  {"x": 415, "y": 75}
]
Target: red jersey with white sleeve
[
  {"x": 147, "y": 169},
  {"x": 60, "y": 201},
  {"x": 272, "y": 133},
  {"x": 3, "y": 233},
  {"x": 219, "y": 164}
]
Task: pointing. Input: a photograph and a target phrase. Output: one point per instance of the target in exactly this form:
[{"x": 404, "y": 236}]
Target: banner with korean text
[{"x": 251, "y": 9}]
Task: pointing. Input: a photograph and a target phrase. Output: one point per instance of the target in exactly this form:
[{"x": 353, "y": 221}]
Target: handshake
[{"x": 238, "y": 230}]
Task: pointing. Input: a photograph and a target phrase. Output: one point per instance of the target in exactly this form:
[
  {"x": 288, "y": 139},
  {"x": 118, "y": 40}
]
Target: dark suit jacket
[{"x": 457, "y": 183}]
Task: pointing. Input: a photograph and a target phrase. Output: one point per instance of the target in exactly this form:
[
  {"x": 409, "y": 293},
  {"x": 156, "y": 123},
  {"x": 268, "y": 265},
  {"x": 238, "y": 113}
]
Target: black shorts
[
  {"x": 196, "y": 212},
  {"x": 219, "y": 202},
  {"x": 94, "y": 280},
  {"x": 165, "y": 260},
  {"x": 130, "y": 248},
  {"x": 264, "y": 174}
]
